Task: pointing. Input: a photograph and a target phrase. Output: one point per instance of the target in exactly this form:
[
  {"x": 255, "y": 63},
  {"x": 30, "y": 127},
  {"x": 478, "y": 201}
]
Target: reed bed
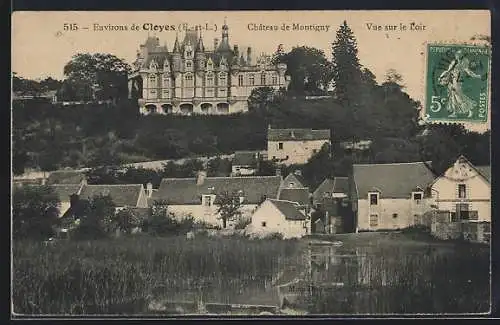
[{"x": 94, "y": 277}]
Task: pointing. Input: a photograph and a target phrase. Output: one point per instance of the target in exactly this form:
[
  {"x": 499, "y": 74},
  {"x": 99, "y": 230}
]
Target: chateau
[{"x": 193, "y": 79}]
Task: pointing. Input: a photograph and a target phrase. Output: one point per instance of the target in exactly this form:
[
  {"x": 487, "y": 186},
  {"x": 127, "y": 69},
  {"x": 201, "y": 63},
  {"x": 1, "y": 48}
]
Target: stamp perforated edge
[{"x": 423, "y": 80}]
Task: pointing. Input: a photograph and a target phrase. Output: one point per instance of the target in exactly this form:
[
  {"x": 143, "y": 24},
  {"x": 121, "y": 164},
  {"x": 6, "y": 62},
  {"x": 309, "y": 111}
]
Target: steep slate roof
[
  {"x": 121, "y": 194},
  {"x": 298, "y": 180},
  {"x": 289, "y": 209},
  {"x": 64, "y": 191},
  {"x": 297, "y": 134},
  {"x": 183, "y": 191},
  {"x": 395, "y": 180},
  {"x": 245, "y": 158},
  {"x": 485, "y": 171},
  {"x": 299, "y": 195},
  {"x": 65, "y": 177}
]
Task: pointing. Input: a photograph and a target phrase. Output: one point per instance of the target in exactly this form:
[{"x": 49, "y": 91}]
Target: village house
[
  {"x": 390, "y": 196},
  {"x": 123, "y": 195},
  {"x": 64, "y": 193},
  {"x": 332, "y": 201},
  {"x": 295, "y": 146},
  {"x": 464, "y": 190},
  {"x": 279, "y": 216},
  {"x": 199, "y": 196},
  {"x": 245, "y": 163},
  {"x": 301, "y": 196}
]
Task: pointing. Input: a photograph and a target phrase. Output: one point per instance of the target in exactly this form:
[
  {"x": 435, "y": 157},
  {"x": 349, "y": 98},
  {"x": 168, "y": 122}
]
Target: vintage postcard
[{"x": 253, "y": 163}]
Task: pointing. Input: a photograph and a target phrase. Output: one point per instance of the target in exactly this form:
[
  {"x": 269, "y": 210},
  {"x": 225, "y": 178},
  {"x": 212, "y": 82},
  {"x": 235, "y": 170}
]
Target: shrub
[{"x": 242, "y": 223}]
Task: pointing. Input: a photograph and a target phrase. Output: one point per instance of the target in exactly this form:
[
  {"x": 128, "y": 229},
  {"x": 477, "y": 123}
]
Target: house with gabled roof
[
  {"x": 245, "y": 163},
  {"x": 390, "y": 196},
  {"x": 464, "y": 190},
  {"x": 64, "y": 193},
  {"x": 199, "y": 196},
  {"x": 279, "y": 216},
  {"x": 294, "y": 180},
  {"x": 295, "y": 146},
  {"x": 123, "y": 195},
  {"x": 338, "y": 187}
]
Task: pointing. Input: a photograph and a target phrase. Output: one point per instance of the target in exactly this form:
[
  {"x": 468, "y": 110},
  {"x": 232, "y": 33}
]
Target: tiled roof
[
  {"x": 395, "y": 180},
  {"x": 181, "y": 191},
  {"x": 297, "y": 180},
  {"x": 122, "y": 194},
  {"x": 485, "y": 171},
  {"x": 341, "y": 185},
  {"x": 245, "y": 158},
  {"x": 299, "y": 195},
  {"x": 297, "y": 134},
  {"x": 64, "y": 191},
  {"x": 65, "y": 177},
  {"x": 289, "y": 209},
  {"x": 325, "y": 187}
]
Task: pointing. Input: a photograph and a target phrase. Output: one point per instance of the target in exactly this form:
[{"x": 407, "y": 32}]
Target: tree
[
  {"x": 347, "y": 74},
  {"x": 319, "y": 167},
  {"x": 96, "y": 217},
  {"x": 309, "y": 70},
  {"x": 98, "y": 76},
  {"x": 35, "y": 211},
  {"x": 126, "y": 220},
  {"x": 228, "y": 206}
]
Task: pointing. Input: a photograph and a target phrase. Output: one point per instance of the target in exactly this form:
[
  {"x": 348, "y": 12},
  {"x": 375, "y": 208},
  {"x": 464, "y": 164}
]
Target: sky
[{"x": 41, "y": 46}]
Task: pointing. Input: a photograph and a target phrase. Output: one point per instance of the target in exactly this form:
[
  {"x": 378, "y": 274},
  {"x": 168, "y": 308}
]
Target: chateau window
[
  {"x": 189, "y": 80},
  {"x": 189, "y": 53},
  {"x": 222, "y": 79},
  {"x": 373, "y": 198},
  {"x": 210, "y": 79},
  {"x": 152, "y": 79},
  {"x": 462, "y": 191},
  {"x": 189, "y": 64},
  {"x": 210, "y": 65},
  {"x": 263, "y": 78},
  {"x": 240, "y": 80},
  {"x": 373, "y": 220},
  {"x": 275, "y": 80},
  {"x": 166, "y": 81},
  {"x": 280, "y": 146},
  {"x": 210, "y": 92},
  {"x": 251, "y": 80},
  {"x": 166, "y": 93}
]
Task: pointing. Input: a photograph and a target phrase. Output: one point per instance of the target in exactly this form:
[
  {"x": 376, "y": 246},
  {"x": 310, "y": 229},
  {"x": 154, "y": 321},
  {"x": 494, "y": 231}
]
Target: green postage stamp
[{"x": 457, "y": 83}]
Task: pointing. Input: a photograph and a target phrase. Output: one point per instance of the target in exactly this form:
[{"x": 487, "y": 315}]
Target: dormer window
[
  {"x": 210, "y": 64},
  {"x": 417, "y": 197},
  {"x": 189, "y": 64},
  {"x": 152, "y": 79},
  {"x": 263, "y": 78},
  {"x": 207, "y": 200},
  {"x": 251, "y": 79},
  {"x": 222, "y": 79},
  {"x": 189, "y": 53},
  {"x": 373, "y": 197}
]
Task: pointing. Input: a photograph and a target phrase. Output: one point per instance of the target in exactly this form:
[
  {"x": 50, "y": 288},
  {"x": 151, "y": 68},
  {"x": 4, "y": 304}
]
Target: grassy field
[{"x": 95, "y": 277}]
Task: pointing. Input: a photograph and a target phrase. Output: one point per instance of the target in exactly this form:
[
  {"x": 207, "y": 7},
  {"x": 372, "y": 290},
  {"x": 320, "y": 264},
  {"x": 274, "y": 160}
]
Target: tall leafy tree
[
  {"x": 228, "y": 206},
  {"x": 98, "y": 76},
  {"x": 347, "y": 74}
]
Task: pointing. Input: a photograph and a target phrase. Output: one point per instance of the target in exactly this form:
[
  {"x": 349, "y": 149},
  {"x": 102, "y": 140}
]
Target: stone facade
[{"x": 192, "y": 79}]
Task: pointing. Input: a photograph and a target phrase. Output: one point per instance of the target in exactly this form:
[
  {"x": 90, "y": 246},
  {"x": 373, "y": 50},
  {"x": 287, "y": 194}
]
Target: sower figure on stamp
[{"x": 452, "y": 77}]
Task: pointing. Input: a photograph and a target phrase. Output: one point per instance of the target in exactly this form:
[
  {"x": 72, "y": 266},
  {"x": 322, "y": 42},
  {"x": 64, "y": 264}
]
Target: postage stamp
[{"x": 457, "y": 83}]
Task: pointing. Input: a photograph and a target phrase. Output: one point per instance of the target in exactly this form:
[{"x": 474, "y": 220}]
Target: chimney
[
  {"x": 216, "y": 43},
  {"x": 149, "y": 189},
  {"x": 249, "y": 55},
  {"x": 201, "y": 177}
]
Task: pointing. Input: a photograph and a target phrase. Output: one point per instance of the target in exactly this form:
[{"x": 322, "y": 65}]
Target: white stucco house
[
  {"x": 390, "y": 196},
  {"x": 245, "y": 163},
  {"x": 295, "y": 146},
  {"x": 198, "y": 196},
  {"x": 465, "y": 191},
  {"x": 279, "y": 216}
]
